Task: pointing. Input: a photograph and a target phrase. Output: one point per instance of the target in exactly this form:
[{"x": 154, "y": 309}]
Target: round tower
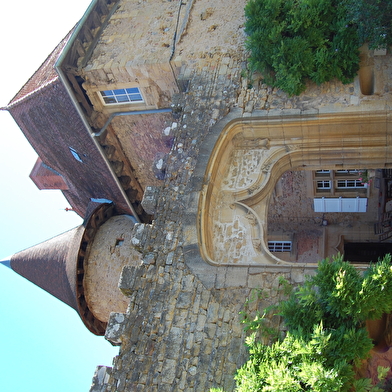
[{"x": 82, "y": 266}]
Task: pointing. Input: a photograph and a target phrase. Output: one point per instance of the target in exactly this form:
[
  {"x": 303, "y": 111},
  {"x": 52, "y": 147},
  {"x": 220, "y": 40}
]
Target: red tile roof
[
  {"x": 45, "y": 177},
  {"x": 45, "y": 74}
]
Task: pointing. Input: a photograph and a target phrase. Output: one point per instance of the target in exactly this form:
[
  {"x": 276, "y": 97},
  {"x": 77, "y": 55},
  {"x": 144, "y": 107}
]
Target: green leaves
[
  {"x": 376, "y": 290},
  {"x": 365, "y": 384},
  {"x": 326, "y": 338},
  {"x": 295, "y": 40},
  {"x": 372, "y": 19},
  {"x": 293, "y": 364}
]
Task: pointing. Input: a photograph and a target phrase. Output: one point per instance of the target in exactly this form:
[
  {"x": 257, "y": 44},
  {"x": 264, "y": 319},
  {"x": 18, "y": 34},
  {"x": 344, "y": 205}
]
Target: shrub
[
  {"x": 291, "y": 41},
  {"x": 326, "y": 335},
  {"x": 373, "y": 21}
]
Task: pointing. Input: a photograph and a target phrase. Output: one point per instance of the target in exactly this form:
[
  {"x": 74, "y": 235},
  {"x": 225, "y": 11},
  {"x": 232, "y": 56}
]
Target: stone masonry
[
  {"x": 202, "y": 150},
  {"x": 182, "y": 329}
]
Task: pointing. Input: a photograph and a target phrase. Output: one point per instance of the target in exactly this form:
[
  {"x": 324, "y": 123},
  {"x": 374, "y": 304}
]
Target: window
[
  {"x": 124, "y": 95},
  {"x": 349, "y": 184},
  {"x": 119, "y": 242},
  {"x": 279, "y": 246},
  {"x": 324, "y": 184},
  {"x": 75, "y": 154},
  {"x": 323, "y": 173},
  {"x": 347, "y": 172}
]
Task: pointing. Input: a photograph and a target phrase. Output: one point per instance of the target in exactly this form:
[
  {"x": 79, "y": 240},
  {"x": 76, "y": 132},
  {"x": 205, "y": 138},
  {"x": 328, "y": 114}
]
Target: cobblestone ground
[{"x": 291, "y": 211}]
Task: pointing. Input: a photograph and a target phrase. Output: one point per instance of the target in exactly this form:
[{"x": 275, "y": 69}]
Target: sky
[{"x": 44, "y": 345}]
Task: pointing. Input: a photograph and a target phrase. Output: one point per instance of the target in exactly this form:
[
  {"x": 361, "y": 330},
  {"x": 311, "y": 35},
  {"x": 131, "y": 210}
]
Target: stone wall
[
  {"x": 182, "y": 329},
  {"x": 107, "y": 255}
]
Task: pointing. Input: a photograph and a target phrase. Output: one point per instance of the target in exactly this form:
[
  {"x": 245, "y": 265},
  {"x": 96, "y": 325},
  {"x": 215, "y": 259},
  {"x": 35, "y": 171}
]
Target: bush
[
  {"x": 326, "y": 337},
  {"x": 291, "y": 41},
  {"x": 373, "y": 21}
]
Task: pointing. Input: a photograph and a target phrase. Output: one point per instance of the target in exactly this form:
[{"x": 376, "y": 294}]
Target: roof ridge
[
  {"x": 39, "y": 78},
  {"x": 28, "y": 95}
]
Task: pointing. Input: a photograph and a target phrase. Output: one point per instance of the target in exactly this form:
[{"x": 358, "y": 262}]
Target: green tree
[
  {"x": 372, "y": 19},
  {"x": 326, "y": 336},
  {"x": 291, "y": 41}
]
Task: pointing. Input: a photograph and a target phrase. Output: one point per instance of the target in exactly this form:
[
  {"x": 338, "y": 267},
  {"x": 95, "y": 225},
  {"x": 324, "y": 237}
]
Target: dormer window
[
  {"x": 75, "y": 154},
  {"x": 120, "y": 96}
]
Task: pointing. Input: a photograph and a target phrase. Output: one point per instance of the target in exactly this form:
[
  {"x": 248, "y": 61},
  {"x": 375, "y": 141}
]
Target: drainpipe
[
  {"x": 69, "y": 90},
  {"x": 94, "y": 135},
  {"x": 97, "y": 145}
]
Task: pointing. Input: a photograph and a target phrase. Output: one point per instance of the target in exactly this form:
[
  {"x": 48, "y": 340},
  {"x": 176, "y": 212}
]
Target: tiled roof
[
  {"x": 55, "y": 130},
  {"x": 50, "y": 266},
  {"x": 57, "y": 265},
  {"x": 45, "y": 74},
  {"x": 44, "y": 177}
]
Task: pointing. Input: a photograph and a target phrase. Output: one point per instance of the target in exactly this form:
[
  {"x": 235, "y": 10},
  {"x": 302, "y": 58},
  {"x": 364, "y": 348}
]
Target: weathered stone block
[
  {"x": 116, "y": 328},
  {"x": 201, "y": 320},
  {"x": 100, "y": 379},
  {"x": 169, "y": 371},
  {"x": 149, "y": 258},
  {"x": 150, "y": 199},
  {"x": 212, "y": 312},
  {"x": 139, "y": 235},
  {"x": 127, "y": 280},
  {"x": 185, "y": 299}
]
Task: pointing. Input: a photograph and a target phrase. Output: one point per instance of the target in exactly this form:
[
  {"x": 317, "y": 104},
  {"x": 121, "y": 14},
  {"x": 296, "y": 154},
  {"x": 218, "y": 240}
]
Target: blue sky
[{"x": 44, "y": 346}]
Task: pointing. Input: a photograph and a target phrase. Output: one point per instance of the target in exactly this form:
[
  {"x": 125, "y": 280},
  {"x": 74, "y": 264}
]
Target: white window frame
[
  {"x": 324, "y": 184},
  {"x": 121, "y": 96},
  {"x": 349, "y": 184},
  {"x": 279, "y": 246},
  {"x": 348, "y": 172}
]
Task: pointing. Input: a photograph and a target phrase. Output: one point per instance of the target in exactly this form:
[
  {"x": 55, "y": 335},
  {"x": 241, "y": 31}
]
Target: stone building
[{"x": 232, "y": 184}]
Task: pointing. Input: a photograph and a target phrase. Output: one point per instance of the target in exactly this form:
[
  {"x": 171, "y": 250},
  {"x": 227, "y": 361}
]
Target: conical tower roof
[
  {"x": 57, "y": 265},
  {"x": 51, "y": 265}
]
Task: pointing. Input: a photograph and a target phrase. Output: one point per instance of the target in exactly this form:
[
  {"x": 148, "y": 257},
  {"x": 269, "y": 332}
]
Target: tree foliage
[
  {"x": 326, "y": 335},
  {"x": 372, "y": 19},
  {"x": 291, "y": 41}
]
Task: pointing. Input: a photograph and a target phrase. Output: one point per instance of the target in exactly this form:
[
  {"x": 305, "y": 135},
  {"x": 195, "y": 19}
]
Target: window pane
[
  {"x": 349, "y": 184},
  {"x": 133, "y": 90},
  {"x": 136, "y": 97},
  {"x": 119, "y": 91},
  {"x": 279, "y": 246},
  {"x": 106, "y": 93},
  {"x": 122, "y": 98},
  {"x": 121, "y": 95},
  {"x": 109, "y": 100},
  {"x": 324, "y": 184}
]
